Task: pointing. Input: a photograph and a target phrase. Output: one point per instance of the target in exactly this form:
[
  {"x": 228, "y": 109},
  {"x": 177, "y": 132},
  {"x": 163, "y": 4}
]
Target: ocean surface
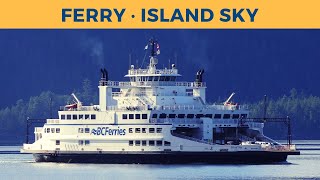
[{"x": 22, "y": 166}]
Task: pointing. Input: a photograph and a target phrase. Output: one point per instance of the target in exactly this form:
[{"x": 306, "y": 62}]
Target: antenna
[
  {"x": 130, "y": 60},
  {"x": 176, "y": 58},
  {"x": 50, "y": 106}
]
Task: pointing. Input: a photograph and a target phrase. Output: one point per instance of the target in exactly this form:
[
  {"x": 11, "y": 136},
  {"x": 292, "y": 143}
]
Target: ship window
[
  {"x": 48, "y": 130},
  {"x": 144, "y": 130},
  {"x": 190, "y": 116},
  {"x": 68, "y": 116},
  {"x": 87, "y": 130},
  {"x": 52, "y": 130},
  {"x": 235, "y": 116},
  {"x": 151, "y": 130},
  {"x": 162, "y": 78},
  {"x": 130, "y": 116},
  {"x": 167, "y": 143},
  {"x": 93, "y": 116},
  {"x": 159, "y": 143},
  {"x": 159, "y": 130},
  {"x": 124, "y": 116},
  {"x": 172, "y": 115},
  {"x": 243, "y": 115},
  {"x": 130, "y": 143},
  {"x": 57, "y": 142},
  {"x": 74, "y": 116},
  {"x": 58, "y": 130},
  {"x": 162, "y": 116},
  {"x": 80, "y": 130},
  {"x": 181, "y": 115},
  {"x": 154, "y": 115},
  {"x": 226, "y": 116},
  {"x": 137, "y": 116},
  {"x": 86, "y": 142},
  {"x": 208, "y": 115},
  {"x": 80, "y": 142},
  {"x": 144, "y": 116},
  {"x": 156, "y": 78},
  {"x": 81, "y": 116},
  {"x": 86, "y": 116},
  {"x": 167, "y": 78},
  {"x": 45, "y": 130},
  {"x": 137, "y": 130},
  {"x": 130, "y": 130},
  {"x": 63, "y": 116},
  {"x": 150, "y": 78},
  {"x": 199, "y": 115},
  {"x": 151, "y": 143},
  {"x": 137, "y": 143},
  {"x": 217, "y": 116},
  {"x": 144, "y": 143}
]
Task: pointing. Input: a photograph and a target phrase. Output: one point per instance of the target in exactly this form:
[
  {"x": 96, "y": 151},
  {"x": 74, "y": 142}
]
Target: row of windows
[
  {"x": 84, "y": 130},
  {"x": 150, "y": 143},
  {"x": 144, "y": 130},
  {"x": 131, "y": 143},
  {"x": 76, "y": 116},
  {"x": 52, "y": 130},
  {"x": 87, "y": 130},
  {"x": 134, "y": 116},
  {"x": 191, "y": 116}
]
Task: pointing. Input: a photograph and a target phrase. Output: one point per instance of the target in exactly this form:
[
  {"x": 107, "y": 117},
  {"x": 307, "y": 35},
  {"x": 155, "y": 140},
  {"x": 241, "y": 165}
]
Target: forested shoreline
[{"x": 301, "y": 108}]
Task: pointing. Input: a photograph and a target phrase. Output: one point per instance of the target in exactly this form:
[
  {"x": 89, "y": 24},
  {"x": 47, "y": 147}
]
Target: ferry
[{"x": 155, "y": 119}]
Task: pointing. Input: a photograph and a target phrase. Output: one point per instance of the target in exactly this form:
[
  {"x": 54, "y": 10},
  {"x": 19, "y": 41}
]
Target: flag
[{"x": 158, "y": 49}]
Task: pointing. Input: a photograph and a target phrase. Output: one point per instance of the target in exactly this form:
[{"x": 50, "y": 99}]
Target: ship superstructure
[{"x": 154, "y": 118}]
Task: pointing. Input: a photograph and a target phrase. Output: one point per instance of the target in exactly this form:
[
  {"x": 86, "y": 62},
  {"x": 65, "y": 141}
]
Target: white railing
[
  {"x": 128, "y": 108},
  {"x": 157, "y": 107},
  {"x": 150, "y": 93},
  {"x": 53, "y": 121},
  {"x": 193, "y": 107},
  {"x": 152, "y": 72},
  {"x": 82, "y": 108},
  {"x": 175, "y": 121},
  {"x": 152, "y": 83}
]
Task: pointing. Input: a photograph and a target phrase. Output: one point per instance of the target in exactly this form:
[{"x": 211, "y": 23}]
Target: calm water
[{"x": 22, "y": 166}]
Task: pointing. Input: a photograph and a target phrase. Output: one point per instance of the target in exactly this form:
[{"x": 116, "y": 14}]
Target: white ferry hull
[
  {"x": 244, "y": 157},
  {"x": 154, "y": 119}
]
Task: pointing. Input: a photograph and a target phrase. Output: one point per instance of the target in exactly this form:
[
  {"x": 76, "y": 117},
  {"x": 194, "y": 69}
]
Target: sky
[{"x": 250, "y": 63}]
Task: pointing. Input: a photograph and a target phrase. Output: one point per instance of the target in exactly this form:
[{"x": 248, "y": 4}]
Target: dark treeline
[
  {"x": 13, "y": 119},
  {"x": 302, "y": 109}
]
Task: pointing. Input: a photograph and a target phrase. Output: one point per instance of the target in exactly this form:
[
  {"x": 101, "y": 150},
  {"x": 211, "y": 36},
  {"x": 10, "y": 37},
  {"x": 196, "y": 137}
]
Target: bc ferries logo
[{"x": 105, "y": 131}]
